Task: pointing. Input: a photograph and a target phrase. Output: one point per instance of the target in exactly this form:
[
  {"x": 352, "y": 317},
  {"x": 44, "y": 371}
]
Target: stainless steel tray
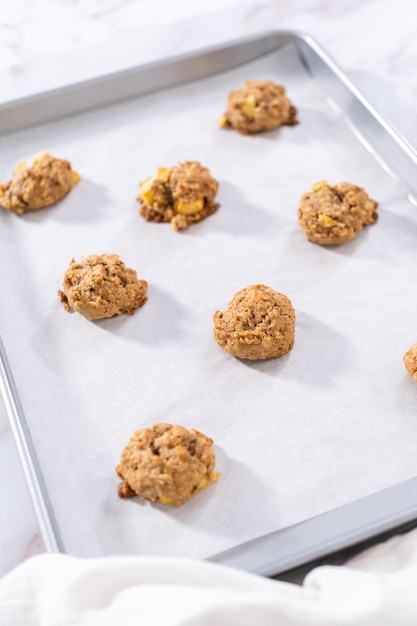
[{"x": 344, "y": 526}]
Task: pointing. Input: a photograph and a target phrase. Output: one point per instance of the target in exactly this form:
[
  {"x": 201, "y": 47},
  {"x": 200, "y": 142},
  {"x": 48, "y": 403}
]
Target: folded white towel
[{"x": 377, "y": 588}]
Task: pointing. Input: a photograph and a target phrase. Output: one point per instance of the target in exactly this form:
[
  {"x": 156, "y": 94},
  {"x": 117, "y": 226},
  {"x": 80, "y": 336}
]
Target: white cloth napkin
[{"x": 376, "y": 588}]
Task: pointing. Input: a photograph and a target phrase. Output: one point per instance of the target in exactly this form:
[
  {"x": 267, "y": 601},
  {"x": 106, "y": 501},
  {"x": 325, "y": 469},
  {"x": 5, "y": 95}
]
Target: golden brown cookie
[
  {"x": 102, "y": 286},
  {"x": 259, "y": 323},
  {"x": 410, "y": 361},
  {"x": 260, "y": 105},
  {"x": 335, "y": 214},
  {"x": 182, "y": 195},
  {"x": 39, "y": 186},
  {"x": 166, "y": 463}
]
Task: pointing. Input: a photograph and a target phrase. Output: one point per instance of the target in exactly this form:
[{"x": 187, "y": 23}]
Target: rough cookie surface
[
  {"x": 335, "y": 214},
  {"x": 258, "y": 106},
  {"x": 166, "y": 463},
  {"x": 410, "y": 361},
  {"x": 39, "y": 186},
  {"x": 181, "y": 195},
  {"x": 259, "y": 323},
  {"x": 102, "y": 286}
]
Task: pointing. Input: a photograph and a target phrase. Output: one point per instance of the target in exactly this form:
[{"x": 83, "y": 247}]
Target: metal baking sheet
[{"x": 340, "y": 400}]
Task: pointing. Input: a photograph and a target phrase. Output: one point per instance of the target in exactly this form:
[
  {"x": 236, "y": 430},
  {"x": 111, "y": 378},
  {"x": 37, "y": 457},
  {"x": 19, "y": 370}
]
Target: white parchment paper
[{"x": 332, "y": 421}]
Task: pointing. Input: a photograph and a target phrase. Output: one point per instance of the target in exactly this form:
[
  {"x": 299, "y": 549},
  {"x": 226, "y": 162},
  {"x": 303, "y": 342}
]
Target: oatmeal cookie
[
  {"x": 258, "y": 324},
  {"x": 335, "y": 215},
  {"x": 410, "y": 361},
  {"x": 46, "y": 182},
  {"x": 258, "y": 106},
  {"x": 181, "y": 195},
  {"x": 102, "y": 286},
  {"x": 166, "y": 463}
]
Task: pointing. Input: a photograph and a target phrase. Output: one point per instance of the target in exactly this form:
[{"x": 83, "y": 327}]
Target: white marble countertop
[{"x": 375, "y": 42}]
